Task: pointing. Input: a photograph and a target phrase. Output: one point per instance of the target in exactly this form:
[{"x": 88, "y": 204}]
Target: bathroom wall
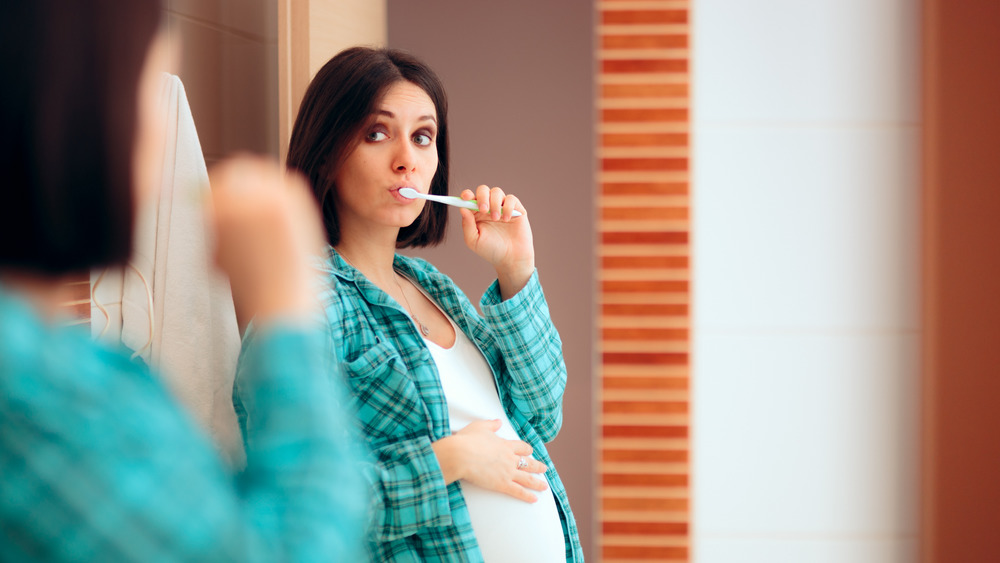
[
  {"x": 246, "y": 63},
  {"x": 310, "y": 32},
  {"x": 644, "y": 274},
  {"x": 229, "y": 67},
  {"x": 806, "y": 281},
  {"x": 520, "y": 81}
]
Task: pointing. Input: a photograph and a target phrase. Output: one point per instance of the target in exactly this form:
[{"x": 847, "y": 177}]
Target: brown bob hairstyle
[
  {"x": 68, "y": 117},
  {"x": 339, "y": 105}
]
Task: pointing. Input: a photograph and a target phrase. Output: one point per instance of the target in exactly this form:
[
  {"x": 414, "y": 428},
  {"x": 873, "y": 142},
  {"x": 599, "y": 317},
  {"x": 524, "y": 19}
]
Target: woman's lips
[{"x": 399, "y": 198}]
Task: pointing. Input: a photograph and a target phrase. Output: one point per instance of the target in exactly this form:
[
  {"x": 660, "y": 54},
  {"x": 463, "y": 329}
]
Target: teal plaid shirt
[
  {"x": 402, "y": 408},
  {"x": 98, "y": 463}
]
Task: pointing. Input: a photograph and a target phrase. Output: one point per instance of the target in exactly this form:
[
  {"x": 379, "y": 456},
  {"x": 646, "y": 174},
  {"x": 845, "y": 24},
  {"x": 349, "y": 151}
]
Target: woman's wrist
[
  {"x": 447, "y": 452},
  {"x": 513, "y": 280}
]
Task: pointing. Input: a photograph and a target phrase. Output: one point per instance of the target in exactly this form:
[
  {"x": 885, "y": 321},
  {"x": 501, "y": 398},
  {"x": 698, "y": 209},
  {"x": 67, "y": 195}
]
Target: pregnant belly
[{"x": 512, "y": 530}]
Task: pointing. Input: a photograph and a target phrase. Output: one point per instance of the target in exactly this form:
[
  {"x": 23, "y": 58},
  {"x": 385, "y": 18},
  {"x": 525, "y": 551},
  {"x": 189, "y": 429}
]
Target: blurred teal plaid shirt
[
  {"x": 402, "y": 408},
  {"x": 98, "y": 462}
]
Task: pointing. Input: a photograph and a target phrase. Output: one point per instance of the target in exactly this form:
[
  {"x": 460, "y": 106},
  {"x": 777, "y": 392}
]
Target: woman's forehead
[{"x": 405, "y": 99}]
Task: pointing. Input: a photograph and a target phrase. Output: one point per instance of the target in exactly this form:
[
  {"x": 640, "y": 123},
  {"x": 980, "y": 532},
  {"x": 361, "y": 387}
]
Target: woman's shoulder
[
  {"x": 52, "y": 368},
  {"x": 336, "y": 288},
  {"x": 29, "y": 343},
  {"x": 422, "y": 271},
  {"x": 417, "y": 264}
]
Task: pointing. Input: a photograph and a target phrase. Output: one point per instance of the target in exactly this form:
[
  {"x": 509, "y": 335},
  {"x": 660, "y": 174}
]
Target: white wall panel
[{"x": 805, "y": 293}]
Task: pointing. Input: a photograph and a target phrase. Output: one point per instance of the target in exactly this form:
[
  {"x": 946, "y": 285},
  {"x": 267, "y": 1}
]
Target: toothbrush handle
[
  {"x": 473, "y": 205},
  {"x": 459, "y": 202}
]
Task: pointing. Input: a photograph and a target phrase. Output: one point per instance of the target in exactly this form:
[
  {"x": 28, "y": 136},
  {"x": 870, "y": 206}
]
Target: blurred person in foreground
[{"x": 98, "y": 461}]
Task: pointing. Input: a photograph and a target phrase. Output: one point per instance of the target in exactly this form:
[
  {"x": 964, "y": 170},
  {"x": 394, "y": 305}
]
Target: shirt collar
[{"x": 337, "y": 266}]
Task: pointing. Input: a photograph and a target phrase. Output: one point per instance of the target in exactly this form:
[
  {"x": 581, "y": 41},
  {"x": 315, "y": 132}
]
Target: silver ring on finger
[{"x": 522, "y": 463}]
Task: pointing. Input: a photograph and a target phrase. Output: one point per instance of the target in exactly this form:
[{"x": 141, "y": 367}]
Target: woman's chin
[{"x": 403, "y": 218}]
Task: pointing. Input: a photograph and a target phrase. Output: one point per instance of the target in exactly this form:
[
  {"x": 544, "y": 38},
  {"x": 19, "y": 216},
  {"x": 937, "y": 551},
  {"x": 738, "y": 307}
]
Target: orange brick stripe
[
  {"x": 644, "y": 286},
  {"x": 633, "y": 213},
  {"x": 645, "y": 553},
  {"x": 609, "y": 16},
  {"x": 644, "y": 334},
  {"x": 642, "y": 309},
  {"x": 645, "y": 431},
  {"x": 644, "y": 188},
  {"x": 644, "y": 65},
  {"x": 666, "y": 115},
  {"x": 645, "y": 140},
  {"x": 651, "y": 480},
  {"x": 645, "y": 528},
  {"x": 644, "y": 42},
  {"x": 644, "y": 164},
  {"x": 644, "y": 245}
]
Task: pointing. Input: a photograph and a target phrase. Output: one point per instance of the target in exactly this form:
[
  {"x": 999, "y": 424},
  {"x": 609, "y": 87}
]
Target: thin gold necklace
[{"x": 423, "y": 328}]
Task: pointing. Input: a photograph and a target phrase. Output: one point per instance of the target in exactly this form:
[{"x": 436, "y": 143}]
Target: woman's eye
[
  {"x": 422, "y": 139},
  {"x": 376, "y": 136}
]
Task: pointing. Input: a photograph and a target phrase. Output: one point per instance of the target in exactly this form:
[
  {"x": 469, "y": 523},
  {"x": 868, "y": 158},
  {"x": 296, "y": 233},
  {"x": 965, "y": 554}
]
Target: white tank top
[{"x": 507, "y": 529}]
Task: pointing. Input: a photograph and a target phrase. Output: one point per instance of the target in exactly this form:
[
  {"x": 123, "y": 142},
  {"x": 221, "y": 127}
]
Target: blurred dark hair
[
  {"x": 339, "y": 104},
  {"x": 68, "y": 116}
]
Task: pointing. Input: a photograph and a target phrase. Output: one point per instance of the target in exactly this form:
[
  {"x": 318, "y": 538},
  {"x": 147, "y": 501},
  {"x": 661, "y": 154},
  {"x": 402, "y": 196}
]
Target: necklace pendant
[{"x": 423, "y": 328}]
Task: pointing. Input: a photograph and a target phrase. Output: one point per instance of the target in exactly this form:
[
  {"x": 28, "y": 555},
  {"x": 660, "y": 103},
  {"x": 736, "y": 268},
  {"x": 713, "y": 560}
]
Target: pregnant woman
[{"x": 456, "y": 406}]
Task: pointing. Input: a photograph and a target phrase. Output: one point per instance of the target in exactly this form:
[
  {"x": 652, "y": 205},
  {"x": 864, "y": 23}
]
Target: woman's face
[{"x": 399, "y": 150}]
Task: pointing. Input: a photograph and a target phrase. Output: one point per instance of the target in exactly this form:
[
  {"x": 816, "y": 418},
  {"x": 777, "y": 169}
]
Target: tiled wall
[
  {"x": 229, "y": 67},
  {"x": 806, "y": 281},
  {"x": 644, "y": 278}
]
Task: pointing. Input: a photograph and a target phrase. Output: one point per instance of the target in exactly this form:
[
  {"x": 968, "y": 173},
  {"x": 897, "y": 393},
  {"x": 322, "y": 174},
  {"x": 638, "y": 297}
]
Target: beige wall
[
  {"x": 336, "y": 25},
  {"x": 229, "y": 70},
  {"x": 520, "y": 82},
  {"x": 246, "y": 63},
  {"x": 310, "y": 32}
]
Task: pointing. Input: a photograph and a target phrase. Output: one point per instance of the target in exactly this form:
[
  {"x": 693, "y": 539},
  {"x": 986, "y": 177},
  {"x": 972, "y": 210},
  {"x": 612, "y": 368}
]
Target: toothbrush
[{"x": 411, "y": 193}]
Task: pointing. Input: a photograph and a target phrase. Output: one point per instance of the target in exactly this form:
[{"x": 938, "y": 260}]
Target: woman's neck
[
  {"x": 45, "y": 293},
  {"x": 371, "y": 255}
]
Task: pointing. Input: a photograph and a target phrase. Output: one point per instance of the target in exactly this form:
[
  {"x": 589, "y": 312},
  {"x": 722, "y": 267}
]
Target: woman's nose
[{"x": 405, "y": 158}]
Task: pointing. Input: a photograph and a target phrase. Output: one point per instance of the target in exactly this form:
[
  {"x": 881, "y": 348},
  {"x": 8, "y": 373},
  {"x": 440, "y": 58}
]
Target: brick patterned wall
[{"x": 644, "y": 274}]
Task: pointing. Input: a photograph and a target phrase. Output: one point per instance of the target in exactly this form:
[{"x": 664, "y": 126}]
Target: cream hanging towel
[{"x": 171, "y": 305}]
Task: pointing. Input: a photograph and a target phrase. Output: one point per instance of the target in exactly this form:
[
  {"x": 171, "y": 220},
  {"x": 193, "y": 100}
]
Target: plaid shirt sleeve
[
  {"x": 534, "y": 373},
  {"x": 410, "y": 490},
  {"x": 99, "y": 464}
]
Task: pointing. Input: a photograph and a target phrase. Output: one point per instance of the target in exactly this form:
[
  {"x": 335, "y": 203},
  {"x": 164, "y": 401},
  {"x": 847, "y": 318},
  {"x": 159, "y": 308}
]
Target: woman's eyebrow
[{"x": 391, "y": 115}]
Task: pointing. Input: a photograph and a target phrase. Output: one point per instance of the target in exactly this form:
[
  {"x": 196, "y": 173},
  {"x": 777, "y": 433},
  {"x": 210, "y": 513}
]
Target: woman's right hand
[
  {"x": 477, "y": 455},
  {"x": 267, "y": 228}
]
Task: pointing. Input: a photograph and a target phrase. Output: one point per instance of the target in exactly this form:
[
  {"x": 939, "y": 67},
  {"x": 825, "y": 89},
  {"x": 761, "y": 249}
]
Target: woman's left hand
[{"x": 501, "y": 239}]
